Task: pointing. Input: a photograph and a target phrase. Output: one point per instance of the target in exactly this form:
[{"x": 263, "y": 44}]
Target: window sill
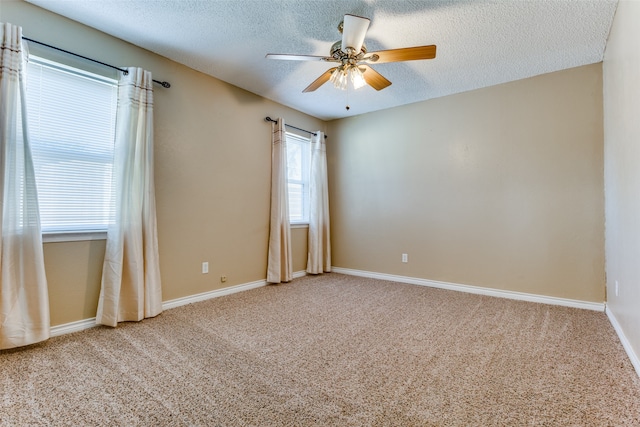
[
  {"x": 74, "y": 237},
  {"x": 299, "y": 225}
]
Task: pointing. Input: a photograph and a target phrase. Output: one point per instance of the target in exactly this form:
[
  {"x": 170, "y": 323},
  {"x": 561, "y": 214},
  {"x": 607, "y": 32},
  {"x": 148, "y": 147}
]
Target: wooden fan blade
[
  {"x": 320, "y": 80},
  {"x": 403, "y": 54},
  {"x": 296, "y": 57},
  {"x": 354, "y": 28},
  {"x": 374, "y": 78}
]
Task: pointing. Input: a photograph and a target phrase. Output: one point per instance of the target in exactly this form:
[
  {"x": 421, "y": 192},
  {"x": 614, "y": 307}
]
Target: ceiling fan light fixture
[
  {"x": 342, "y": 75},
  {"x": 357, "y": 77},
  {"x": 339, "y": 78}
]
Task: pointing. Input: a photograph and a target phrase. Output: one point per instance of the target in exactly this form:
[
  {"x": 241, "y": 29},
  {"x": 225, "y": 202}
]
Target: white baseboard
[
  {"x": 80, "y": 325},
  {"x": 219, "y": 292},
  {"x": 298, "y": 274},
  {"x": 635, "y": 361},
  {"x": 70, "y": 327},
  {"x": 167, "y": 305},
  {"x": 521, "y": 296}
]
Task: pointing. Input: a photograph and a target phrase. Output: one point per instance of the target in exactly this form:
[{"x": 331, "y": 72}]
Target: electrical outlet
[
  {"x": 205, "y": 267},
  {"x": 223, "y": 278},
  {"x": 405, "y": 258},
  {"x": 617, "y": 291}
]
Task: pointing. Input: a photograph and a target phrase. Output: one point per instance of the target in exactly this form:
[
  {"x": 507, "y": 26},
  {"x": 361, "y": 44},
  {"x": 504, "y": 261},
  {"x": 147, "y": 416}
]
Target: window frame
[
  {"x": 305, "y": 143},
  {"x": 80, "y": 69}
]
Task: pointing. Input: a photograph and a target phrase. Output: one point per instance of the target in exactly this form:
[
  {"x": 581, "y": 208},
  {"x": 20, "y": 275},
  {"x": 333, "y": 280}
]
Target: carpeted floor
[{"x": 334, "y": 350}]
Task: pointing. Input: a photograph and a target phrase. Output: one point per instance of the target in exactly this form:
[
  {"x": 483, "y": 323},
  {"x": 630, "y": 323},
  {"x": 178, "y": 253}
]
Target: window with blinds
[
  {"x": 71, "y": 117},
  {"x": 298, "y": 168}
]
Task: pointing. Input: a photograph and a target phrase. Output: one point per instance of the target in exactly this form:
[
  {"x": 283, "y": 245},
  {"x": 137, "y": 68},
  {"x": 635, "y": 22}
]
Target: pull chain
[{"x": 347, "y": 95}]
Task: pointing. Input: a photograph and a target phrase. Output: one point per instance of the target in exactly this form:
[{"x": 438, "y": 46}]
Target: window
[
  {"x": 298, "y": 157},
  {"x": 71, "y": 120}
]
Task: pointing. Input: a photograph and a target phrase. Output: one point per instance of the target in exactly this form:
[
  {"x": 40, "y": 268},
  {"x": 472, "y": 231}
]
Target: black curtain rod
[
  {"x": 125, "y": 72},
  {"x": 269, "y": 119}
]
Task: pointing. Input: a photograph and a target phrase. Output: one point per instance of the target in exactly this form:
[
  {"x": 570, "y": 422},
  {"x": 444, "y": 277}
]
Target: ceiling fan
[{"x": 353, "y": 59}]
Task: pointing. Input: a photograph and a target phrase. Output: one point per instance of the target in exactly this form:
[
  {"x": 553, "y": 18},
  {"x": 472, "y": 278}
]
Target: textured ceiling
[{"x": 480, "y": 43}]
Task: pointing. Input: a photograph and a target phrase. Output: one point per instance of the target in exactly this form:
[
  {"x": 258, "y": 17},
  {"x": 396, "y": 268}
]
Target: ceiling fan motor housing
[{"x": 338, "y": 54}]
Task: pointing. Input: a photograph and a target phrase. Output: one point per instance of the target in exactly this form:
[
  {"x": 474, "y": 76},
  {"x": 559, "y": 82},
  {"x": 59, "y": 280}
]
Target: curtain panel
[
  {"x": 131, "y": 287},
  {"x": 24, "y": 299},
  {"x": 280, "y": 267},
  {"x": 319, "y": 242}
]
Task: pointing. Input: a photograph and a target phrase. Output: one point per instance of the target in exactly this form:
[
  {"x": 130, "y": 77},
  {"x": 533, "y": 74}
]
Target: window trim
[
  {"x": 299, "y": 224},
  {"x": 80, "y": 236}
]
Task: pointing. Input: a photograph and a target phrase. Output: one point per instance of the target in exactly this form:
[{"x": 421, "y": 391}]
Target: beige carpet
[{"x": 331, "y": 351}]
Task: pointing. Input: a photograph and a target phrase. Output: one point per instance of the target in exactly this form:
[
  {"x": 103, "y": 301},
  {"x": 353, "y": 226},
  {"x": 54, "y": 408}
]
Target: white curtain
[
  {"x": 131, "y": 287},
  {"x": 319, "y": 259},
  {"x": 24, "y": 300},
  {"x": 280, "y": 268}
]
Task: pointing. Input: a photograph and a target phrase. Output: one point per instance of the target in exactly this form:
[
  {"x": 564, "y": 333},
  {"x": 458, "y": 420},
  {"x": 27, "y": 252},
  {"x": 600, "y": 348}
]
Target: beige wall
[
  {"x": 212, "y": 151},
  {"x": 500, "y": 187},
  {"x": 622, "y": 171}
]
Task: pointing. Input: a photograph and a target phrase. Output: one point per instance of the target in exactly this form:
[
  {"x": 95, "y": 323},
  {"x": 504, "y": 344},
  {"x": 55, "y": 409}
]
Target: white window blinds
[{"x": 71, "y": 121}]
